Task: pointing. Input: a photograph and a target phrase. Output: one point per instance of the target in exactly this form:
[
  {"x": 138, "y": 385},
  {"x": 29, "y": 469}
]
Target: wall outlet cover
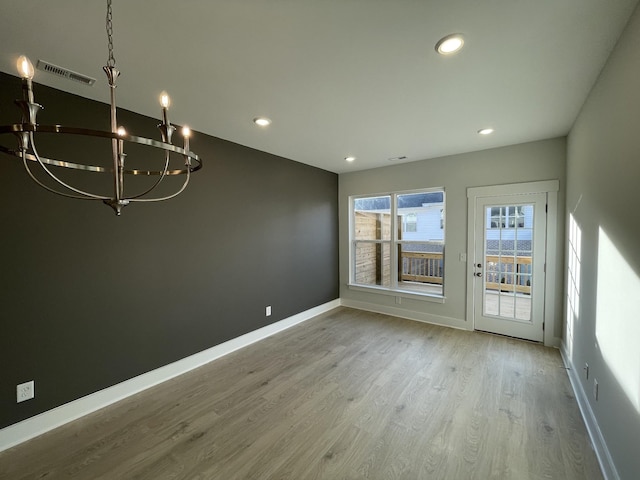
[{"x": 25, "y": 391}]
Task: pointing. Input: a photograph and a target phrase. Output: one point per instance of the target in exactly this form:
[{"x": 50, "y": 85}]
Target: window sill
[{"x": 398, "y": 293}]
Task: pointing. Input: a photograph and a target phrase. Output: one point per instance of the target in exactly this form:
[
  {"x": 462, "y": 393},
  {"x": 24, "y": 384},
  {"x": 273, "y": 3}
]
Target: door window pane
[{"x": 508, "y": 262}]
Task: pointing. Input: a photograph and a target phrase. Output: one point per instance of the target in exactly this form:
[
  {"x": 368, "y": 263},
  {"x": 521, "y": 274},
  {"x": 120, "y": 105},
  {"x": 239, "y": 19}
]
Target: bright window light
[
  {"x": 573, "y": 281},
  {"x": 617, "y": 326}
]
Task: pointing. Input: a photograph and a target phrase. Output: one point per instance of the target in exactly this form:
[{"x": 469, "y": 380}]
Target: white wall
[
  {"x": 535, "y": 161},
  {"x": 603, "y": 171}
]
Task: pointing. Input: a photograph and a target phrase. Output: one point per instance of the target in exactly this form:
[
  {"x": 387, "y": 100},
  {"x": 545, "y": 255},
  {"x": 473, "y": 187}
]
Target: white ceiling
[{"x": 337, "y": 77}]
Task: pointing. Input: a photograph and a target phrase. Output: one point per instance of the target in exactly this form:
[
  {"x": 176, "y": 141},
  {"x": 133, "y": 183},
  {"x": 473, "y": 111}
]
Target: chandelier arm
[
  {"x": 92, "y": 168},
  {"x": 46, "y": 187},
  {"x": 158, "y": 199},
  {"x": 162, "y": 175},
  {"x": 73, "y": 189},
  {"x": 20, "y": 128}
]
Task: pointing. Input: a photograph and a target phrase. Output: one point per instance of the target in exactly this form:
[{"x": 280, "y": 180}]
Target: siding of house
[
  {"x": 90, "y": 299},
  {"x": 427, "y": 222}
]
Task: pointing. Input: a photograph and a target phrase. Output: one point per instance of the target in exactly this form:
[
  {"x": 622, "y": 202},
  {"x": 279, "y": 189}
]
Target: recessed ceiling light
[
  {"x": 262, "y": 121},
  {"x": 450, "y": 44},
  {"x": 485, "y": 131},
  {"x": 349, "y": 159}
]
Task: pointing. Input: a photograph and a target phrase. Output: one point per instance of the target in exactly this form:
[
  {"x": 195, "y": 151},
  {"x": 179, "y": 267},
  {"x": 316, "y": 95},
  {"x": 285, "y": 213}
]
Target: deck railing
[
  {"x": 505, "y": 274},
  {"x": 423, "y": 267}
]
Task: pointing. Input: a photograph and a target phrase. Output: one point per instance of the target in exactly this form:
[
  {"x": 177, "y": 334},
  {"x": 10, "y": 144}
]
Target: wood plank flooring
[{"x": 347, "y": 395}]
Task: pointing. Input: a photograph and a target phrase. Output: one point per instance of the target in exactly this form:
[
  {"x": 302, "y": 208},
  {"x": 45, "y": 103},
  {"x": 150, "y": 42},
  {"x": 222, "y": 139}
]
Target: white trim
[
  {"x": 471, "y": 247},
  {"x": 595, "y": 434},
  {"x": 393, "y": 224},
  {"x": 397, "y": 293},
  {"x": 39, "y": 424},
  {"x": 550, "y": 262},
  {"x": 408, "y": 314},
  {"x": 514, "y": 189}
]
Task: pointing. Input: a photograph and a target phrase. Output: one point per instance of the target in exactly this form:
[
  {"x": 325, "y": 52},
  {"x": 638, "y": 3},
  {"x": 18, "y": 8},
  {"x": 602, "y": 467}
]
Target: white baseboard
[
  {"x": 599, "y": 445},
  {"x": 408, "y": 314},
  {"x": 553, "y": 342},
  {"x": 39, "y": 424}
]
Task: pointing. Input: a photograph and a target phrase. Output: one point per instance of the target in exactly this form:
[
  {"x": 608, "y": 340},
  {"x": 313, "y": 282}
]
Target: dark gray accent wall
[{"x": 89, "y": 299}]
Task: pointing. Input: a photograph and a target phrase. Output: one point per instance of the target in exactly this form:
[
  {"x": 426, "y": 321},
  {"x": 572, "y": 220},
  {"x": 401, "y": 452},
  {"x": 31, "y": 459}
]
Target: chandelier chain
[{"x": 111, "y": 62}]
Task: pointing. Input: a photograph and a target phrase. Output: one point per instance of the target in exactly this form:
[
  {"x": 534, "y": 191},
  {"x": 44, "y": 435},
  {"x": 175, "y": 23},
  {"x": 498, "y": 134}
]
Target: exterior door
[{"x": 509, "y": 265}]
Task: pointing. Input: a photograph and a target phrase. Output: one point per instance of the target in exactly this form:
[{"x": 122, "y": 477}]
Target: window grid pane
[
  {"x": 417, "y": 244},
  {"x": 373, "y": 263}
]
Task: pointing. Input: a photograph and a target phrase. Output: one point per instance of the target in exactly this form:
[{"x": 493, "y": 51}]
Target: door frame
[{"x": 550, "y": 187}]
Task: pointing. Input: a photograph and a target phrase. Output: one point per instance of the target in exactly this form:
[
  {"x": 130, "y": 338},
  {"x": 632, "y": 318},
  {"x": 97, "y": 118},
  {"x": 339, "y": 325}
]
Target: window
[
  {"x": 410, "y": 222},
  {"x": 397, "y": 242},
  {"x": 507, "y": 217}
]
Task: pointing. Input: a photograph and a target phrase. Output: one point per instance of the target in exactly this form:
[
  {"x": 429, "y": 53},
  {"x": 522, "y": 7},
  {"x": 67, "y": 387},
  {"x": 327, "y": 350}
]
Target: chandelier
[{"x": 27, "y": 151}]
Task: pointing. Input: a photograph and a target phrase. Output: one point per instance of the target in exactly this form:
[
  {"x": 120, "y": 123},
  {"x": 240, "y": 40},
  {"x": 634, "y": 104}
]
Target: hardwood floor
[{"x": 347, "y": 395}]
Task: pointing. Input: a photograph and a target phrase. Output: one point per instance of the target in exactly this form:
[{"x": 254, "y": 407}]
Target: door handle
[{"x": 478, "y": 274}]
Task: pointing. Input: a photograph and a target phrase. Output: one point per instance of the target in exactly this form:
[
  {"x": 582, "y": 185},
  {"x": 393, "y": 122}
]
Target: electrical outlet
[
  {"x": 586, "y": 371},
  {"x": 25, "y": 391},
  {"x": 267, "y": 311},
  {"x": 595, "y": 389}
]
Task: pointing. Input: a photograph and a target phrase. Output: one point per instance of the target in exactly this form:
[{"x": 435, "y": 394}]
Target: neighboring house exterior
[{"x": 509, "y": 230}]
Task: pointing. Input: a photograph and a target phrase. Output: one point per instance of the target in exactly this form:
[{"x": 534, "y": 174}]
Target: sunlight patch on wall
[
  {"x": 573, "y": 282},
  {"x": 617, "y": 325}
]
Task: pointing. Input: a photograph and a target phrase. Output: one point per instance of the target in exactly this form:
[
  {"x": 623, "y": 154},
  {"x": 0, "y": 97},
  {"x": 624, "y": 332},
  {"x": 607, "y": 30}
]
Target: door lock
[{"x": 479, "y": 265}]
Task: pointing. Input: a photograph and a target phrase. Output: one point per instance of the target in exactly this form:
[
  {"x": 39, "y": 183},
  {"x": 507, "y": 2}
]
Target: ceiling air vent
[{"x": 65, "y": 73}]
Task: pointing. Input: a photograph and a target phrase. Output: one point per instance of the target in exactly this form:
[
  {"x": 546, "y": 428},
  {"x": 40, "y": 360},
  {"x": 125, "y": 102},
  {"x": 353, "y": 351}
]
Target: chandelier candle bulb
[
  {"x": 26, "y": 71},
  {"x": 25, "y": 67},
  {"x": 186, "y": 132},
  {"x": 165, "y": 101},
  {"x": 121, "y": 133},
  {"x": 165, "y": 127}
]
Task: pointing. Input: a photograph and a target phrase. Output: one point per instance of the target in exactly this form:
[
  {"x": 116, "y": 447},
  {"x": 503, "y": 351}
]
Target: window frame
[{"x": 394, "y": 289}]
